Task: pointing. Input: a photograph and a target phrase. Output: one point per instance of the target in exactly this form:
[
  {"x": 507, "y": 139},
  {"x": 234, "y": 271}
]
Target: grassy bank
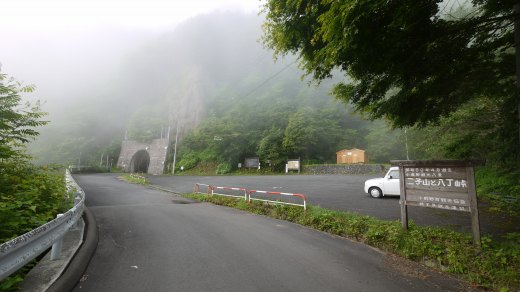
[
  {"x": 496, "y": 266},
  {"x": 135, "y": 179}
]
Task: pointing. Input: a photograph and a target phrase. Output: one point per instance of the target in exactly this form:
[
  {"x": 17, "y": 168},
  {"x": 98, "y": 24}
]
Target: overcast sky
[
  {"x": 63, "y": 15},
  {"x": 51, "y": 43}
]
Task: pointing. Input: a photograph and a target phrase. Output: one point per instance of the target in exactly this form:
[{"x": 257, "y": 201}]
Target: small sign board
[
  {"x": 440, "y": 184},
  {"x": 252, "y": 162},
  {"x": 292, "y": 164}
]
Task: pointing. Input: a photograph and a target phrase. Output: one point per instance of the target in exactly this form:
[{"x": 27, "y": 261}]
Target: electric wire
[{"x": 269, "y": 79}]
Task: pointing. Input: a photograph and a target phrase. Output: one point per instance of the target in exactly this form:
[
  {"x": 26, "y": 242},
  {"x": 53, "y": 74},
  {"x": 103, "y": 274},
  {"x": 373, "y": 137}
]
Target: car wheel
[{"x": 375, "y": 192}]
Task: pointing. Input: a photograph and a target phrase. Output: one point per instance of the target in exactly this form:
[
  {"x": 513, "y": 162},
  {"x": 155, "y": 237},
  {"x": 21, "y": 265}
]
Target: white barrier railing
[
  {"x": 247, "y": 194},
  {"x": 304, "y": 204},
  {"x": 196, "y": 189},
  {"x": 19, "y": 251},
  {"x": 229, "y": 189}
]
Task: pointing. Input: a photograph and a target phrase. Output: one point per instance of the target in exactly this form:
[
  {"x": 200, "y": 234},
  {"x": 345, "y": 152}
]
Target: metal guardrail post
[{"x": 56, "y": 246}]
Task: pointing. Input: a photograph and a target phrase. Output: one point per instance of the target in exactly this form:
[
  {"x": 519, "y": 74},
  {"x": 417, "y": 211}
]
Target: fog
[
  {"x": 94, "y": 63},
  {"x": 64, "y": 47},
  {"x": 103, "y": 78}
]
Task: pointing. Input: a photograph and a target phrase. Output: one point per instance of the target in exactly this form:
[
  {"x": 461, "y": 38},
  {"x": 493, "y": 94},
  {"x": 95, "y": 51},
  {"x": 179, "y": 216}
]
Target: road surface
[
  {"x": 344, "y": 193},
  {"x": 155, "y": 241}
]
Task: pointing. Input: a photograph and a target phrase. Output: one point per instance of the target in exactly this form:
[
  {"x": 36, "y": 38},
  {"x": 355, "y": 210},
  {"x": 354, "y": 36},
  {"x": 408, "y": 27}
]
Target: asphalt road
[
  {"x": 150, "y": 241},
  {"x": 337, "y": 192}
]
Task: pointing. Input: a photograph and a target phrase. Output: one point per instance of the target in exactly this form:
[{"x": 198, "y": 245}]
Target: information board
[
  {"x": 292, "y": 164},
  {"x": 437, "y": 187},
  {"x": 252, "y": 162},
  {"x": 440, "y": 184}
]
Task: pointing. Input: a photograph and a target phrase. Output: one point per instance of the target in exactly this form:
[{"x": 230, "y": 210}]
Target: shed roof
[{"x": 351, "y": 150}]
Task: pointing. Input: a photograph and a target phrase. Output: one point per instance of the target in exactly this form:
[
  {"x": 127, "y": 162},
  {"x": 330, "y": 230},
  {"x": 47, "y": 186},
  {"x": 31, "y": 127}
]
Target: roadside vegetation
[
  {"x": 135, "y": 178},
  {"x": 500, "y": 188},
  {"x": 496, "y": 266},
  {"x": 30, "y": 195}
]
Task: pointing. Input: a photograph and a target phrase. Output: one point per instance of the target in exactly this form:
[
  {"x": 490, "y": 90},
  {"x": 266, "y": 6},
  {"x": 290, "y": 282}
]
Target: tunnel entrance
[{"x": 140, "y": 162}]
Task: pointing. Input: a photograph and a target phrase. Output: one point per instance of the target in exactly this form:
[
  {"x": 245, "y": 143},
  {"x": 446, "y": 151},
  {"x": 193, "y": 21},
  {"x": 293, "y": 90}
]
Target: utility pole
[
  {"x": 175, "y": 147},
  {"x": 516, "y": 10},
  {"x": 406, "y": 143}
]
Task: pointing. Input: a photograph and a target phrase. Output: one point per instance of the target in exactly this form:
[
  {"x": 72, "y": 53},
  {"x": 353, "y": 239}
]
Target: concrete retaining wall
[{"x": 344, "y": 169}]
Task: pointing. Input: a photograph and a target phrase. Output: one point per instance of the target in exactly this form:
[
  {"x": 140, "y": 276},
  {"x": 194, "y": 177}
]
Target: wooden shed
[{"x": 351, "y": 156}]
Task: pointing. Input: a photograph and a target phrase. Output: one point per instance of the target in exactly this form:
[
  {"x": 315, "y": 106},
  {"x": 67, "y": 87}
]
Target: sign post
[
  {"x": 440, "y": 184},
  {"x": 293, "y": 164}
]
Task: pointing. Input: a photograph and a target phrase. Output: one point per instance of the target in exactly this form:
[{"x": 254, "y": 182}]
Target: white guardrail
[
  {"x": 304, "y": 204},
  {"x": 19, "y": 251},
  {"x": 247, "y": 194},
  {"x": 239, "y": 190}
]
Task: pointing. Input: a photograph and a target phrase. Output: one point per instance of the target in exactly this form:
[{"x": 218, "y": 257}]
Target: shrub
[
  {"x": 188, "y": 161},
  {"x": 223, "y": 168}
]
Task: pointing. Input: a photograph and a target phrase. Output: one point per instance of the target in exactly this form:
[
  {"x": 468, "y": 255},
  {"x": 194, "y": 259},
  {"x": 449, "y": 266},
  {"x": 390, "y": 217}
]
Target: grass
[
  {"x": 135, "y": 179},
  {"x": 499, "y": 188},
  {"x": 496, "y": 266}
]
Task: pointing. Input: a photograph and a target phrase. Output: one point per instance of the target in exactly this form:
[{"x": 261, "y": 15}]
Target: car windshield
[{"x": 394, "y": 174}]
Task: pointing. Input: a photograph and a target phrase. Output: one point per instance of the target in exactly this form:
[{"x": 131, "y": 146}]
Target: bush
[
  {"x": 500, "y": 187},
  {"x": 188, "y": 161},
  {"x": 30, "y": 196},
  {"x": 223, "y": 168}
]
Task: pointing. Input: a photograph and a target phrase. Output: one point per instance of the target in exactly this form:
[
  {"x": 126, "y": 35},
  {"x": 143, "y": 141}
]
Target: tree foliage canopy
[
  {"x": 17, "y": 121},
  {"x": 410, "y": 61}
]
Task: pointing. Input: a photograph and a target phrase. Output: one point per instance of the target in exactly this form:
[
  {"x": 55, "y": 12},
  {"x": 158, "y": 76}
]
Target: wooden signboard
[
  {"x": 252, "y": 162},
  {"x": 440, "y": 184},
  {"x": 293, "y": 164}
]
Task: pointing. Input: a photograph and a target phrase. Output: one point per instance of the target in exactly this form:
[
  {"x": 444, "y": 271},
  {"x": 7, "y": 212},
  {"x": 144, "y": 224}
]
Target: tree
[
  {"x": 405, "y": 60},
  {"x": 384, "y": 145},
  {"x": 17, "y": 121},
  {"x": 270, "y": 147}
]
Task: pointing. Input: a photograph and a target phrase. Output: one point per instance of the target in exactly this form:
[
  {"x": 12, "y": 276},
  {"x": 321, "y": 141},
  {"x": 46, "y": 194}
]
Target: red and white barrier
[
  {"x": 247, "y": 194},
  {"x": 304, "y": 205},
  {"x": 229, "y": 189},
  {"x": 196, "y": 189}
]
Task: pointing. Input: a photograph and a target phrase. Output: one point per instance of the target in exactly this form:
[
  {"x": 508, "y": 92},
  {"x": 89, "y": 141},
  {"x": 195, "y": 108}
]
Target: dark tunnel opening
[{"x": 140, "y": 162}]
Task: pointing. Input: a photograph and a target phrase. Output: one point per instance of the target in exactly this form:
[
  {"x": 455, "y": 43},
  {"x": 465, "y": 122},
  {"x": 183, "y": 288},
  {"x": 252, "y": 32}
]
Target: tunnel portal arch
[
  {"x": 140, "y": 162},
  {"x": 136, "y": 156}
]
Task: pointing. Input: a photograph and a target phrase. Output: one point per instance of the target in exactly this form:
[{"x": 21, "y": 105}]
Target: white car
[{"x": 385, "y": 186}]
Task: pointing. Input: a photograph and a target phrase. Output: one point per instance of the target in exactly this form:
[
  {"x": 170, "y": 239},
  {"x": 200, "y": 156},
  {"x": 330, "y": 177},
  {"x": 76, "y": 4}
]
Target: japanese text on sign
[
  {"x": 443, "y": 203},
  {"x": 439, "y": 182}
]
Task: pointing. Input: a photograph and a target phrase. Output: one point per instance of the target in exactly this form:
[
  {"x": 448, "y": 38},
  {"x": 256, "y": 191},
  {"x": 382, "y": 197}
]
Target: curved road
[{"x": 155, "y": 241}]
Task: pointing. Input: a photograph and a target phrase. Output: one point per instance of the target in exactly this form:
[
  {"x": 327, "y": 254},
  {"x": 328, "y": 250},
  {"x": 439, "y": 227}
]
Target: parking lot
[{"x": 337, "y": 192}]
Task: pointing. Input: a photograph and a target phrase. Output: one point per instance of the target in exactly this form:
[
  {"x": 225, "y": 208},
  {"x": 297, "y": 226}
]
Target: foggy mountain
[{"x": 208, "y": 65}]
